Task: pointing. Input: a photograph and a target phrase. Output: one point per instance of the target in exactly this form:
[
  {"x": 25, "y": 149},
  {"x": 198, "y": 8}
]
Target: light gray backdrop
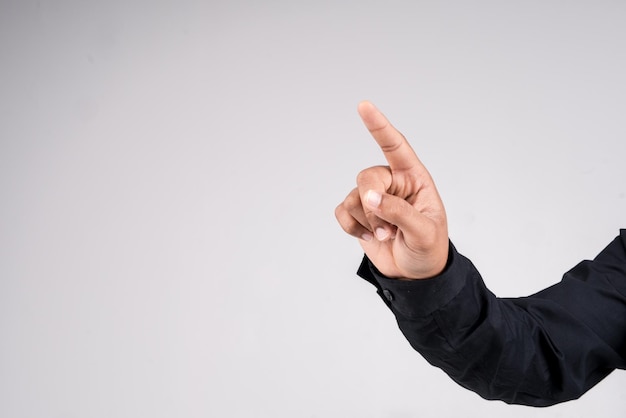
[{"x": 169, "y": 171}]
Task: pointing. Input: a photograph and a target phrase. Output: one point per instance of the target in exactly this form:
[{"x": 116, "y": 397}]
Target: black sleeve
[{"x": 538, "y": 350}]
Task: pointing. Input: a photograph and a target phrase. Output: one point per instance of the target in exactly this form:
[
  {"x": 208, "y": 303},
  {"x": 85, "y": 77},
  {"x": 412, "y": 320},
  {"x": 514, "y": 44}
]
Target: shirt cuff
[{"x": 420, "y": 298}]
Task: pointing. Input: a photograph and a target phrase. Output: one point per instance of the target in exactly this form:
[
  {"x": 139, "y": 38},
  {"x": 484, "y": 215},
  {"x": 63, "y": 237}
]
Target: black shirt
[{"x": 538, "y": 350}]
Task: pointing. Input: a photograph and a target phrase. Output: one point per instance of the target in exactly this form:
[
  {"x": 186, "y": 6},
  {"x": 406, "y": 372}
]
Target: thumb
[{"x": 397, "y": 211}]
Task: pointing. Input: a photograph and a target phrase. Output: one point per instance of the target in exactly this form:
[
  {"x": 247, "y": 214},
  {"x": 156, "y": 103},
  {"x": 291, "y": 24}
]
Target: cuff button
[{"x": 388, "y": 295}]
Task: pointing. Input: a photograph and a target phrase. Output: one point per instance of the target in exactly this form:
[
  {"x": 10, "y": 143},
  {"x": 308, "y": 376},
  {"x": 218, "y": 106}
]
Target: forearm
[{"x": 539, "y": 350}]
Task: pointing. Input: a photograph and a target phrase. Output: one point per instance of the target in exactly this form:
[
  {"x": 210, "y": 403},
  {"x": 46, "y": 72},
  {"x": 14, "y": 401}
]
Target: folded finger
[
  {"x": 377, "y": 179},
  {"x": 351, "y": 225}
]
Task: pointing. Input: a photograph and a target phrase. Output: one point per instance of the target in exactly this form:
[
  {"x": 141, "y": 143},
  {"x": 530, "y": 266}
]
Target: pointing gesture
[
  {"x": 395, "y": 210},
  {"x": 395, "y": 147}
]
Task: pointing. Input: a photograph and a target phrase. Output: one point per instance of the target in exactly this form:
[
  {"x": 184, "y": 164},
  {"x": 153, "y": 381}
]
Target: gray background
[{"x": 169, "y": 171}]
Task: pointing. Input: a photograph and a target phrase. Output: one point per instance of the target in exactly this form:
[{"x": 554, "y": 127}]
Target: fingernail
[
  {"x": 373, "y": 198},
  {"x": 381, "y": 234},
  {"x": 366, "y": 237}
]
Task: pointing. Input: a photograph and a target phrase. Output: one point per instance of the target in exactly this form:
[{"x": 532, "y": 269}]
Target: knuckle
[
  {"x": 377, "y": 175},
  {"x": 346, "y": 220},
  {"x": 363, "y": 176},
  {"x": 352, "y": 201},
  {"x": 338, "y": 211}
]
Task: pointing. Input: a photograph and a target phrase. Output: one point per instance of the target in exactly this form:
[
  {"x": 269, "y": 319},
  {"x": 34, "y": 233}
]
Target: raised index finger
[{"x": 394, "y": 145}]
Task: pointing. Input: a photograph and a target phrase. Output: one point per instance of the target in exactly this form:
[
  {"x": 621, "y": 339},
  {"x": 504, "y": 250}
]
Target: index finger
[{"x": 394, "y": 145}]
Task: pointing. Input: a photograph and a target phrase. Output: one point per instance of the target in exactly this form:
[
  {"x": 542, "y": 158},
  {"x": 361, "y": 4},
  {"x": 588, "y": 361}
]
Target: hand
[{"x": 395, "y": 210}]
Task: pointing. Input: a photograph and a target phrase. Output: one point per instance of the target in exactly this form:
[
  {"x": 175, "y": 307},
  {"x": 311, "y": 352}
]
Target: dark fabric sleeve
[{"x": 538, "y": 350}]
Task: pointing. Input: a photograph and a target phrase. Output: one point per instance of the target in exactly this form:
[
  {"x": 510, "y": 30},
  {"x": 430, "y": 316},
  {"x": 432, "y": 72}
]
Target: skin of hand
[{"x": 395, "y": 211}]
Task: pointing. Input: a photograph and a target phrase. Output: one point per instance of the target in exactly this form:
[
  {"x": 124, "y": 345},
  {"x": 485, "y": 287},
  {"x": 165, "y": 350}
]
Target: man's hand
[{"x": 395, "y": 210}]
